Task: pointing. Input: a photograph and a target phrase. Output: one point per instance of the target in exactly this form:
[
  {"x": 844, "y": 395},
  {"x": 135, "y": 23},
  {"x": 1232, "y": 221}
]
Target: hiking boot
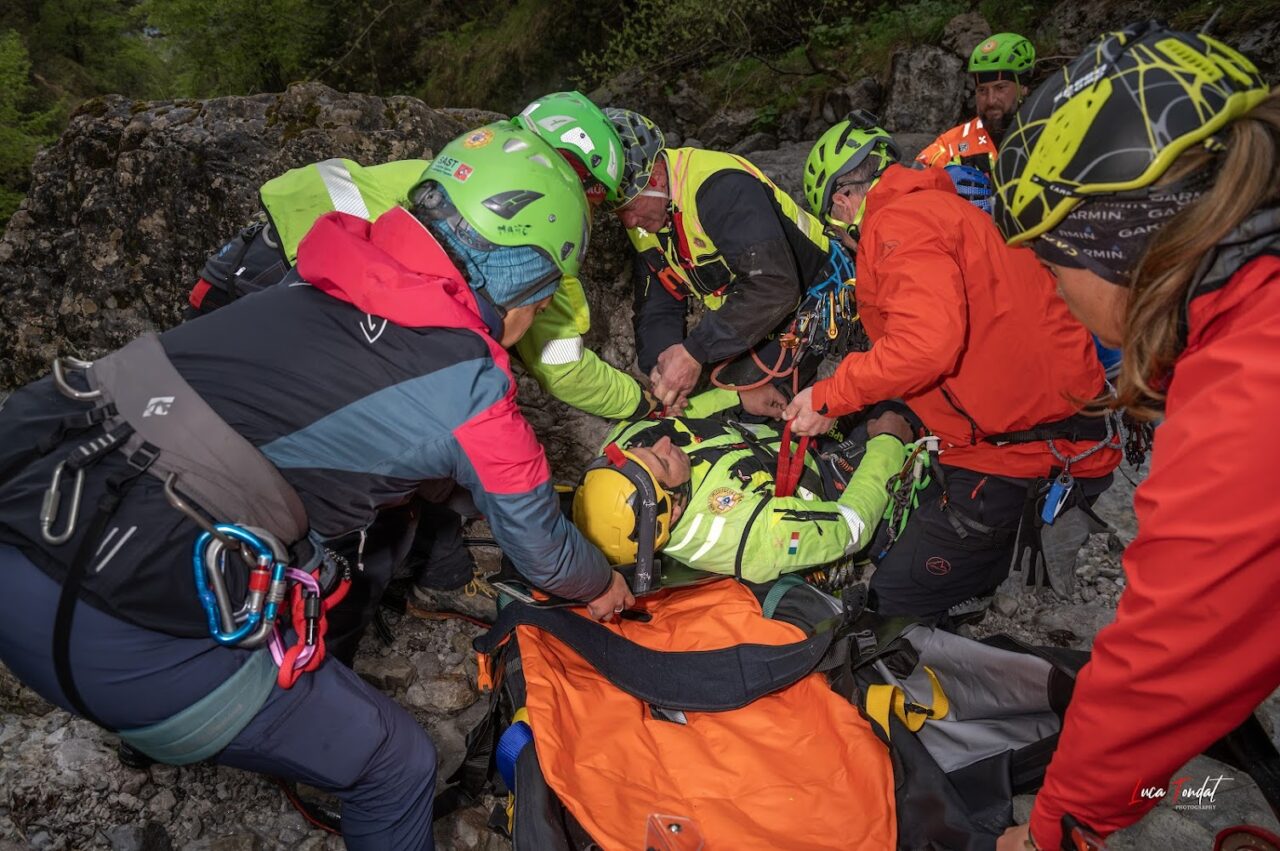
[
  {"x": 970, "y": 611},
  {"x": 471, "y": 600}
]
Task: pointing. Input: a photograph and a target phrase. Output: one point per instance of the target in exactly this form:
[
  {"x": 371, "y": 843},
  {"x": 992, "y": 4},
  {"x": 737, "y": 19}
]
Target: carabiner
[
  {"x": 267, "y": 585},
  {"x": 52, "y": 502},
  {"x": 171, "y": 494},
  {"x": 60, "y": 379}
]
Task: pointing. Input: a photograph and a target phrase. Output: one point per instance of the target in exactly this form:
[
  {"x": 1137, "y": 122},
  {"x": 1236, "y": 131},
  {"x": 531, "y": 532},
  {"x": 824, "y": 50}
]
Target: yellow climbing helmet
[
  {"x": 1114, "y": 120},
  {"x": 620, "y": 507}
]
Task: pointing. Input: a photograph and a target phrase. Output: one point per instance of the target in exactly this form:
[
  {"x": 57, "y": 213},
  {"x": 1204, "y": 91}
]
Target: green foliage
[
  {"x": 24, "y": 125},
  {"x": 664, "y": 36},
  {"x": 222, "y": 47},
  {"x": 93, "y": 47}
]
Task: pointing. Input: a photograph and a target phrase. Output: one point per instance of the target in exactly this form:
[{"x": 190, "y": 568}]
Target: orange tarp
[{"x": 798, "y": 769}]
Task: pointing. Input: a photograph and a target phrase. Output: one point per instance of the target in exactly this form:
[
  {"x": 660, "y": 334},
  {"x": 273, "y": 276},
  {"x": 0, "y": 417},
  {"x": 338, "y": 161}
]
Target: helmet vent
[
  {"x": 541, "y": 160},
  {"x": 512, "y": 145},
  {"x": 508, "y": 204}
]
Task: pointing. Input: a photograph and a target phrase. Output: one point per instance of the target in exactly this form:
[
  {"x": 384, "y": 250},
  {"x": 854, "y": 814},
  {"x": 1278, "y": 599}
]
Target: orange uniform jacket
[
  {"x": 969, "y": 332},
  {"x": 1193, "y": 648},
  {"x": 967, "y": 143}
]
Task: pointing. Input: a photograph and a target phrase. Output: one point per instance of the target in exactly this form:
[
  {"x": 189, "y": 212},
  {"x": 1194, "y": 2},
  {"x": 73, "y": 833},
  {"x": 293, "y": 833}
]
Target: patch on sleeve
[{"x": 723, "y": 499}]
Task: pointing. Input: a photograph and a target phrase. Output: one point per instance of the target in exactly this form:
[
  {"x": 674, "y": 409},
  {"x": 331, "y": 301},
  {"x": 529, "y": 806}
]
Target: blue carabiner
[{"x": 209, "y": 600}]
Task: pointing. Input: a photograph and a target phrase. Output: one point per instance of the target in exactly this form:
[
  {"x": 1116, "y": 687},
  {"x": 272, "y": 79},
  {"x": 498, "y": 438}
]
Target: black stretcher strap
[{"x": 689, "y": 681}]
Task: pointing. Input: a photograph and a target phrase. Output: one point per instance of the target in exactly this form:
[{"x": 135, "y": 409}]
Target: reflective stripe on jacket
[
  {"x": 295, "y": 199},
  {"x": 696, "y": 265},
  {"x": 964, "y": 144}
]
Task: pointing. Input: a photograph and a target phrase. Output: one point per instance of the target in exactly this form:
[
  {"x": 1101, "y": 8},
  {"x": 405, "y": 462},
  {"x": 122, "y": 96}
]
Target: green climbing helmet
[
  {"x": 840, "y": 150},
  {"x": 1002, "y": 53},
  {"x": 577, "y": 128},
  {"x": 642, "y": 142},
  {"x": 515, "y": 190},
  {"x": 1114, "y": 119}
]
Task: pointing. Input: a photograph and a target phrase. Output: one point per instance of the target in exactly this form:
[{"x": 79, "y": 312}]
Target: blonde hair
[{"x": 1247, "y": 178}]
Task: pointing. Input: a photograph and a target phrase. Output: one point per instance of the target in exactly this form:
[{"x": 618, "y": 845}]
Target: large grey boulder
[
  {"x": 128, "y": 203},
  {"x": 963, "y": 33},
  {"x": 926, "y": 92}
]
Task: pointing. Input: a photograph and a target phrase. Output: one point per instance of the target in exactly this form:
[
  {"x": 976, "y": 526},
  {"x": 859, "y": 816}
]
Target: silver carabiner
[
  {"x": 53, "y": 501},
  {"x": 176, "y": 500},
  {"x": 60, "y": 379}
]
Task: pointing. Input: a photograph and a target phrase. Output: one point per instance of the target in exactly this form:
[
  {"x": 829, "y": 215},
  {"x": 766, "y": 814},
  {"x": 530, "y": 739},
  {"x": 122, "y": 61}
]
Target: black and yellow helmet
[
  {"x": 621, "y": 508},
  {"x": 1114, "y": 120}
]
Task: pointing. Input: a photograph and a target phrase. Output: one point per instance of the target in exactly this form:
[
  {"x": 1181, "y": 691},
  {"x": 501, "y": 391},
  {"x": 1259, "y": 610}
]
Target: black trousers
[{"x": 934, "y": 566}]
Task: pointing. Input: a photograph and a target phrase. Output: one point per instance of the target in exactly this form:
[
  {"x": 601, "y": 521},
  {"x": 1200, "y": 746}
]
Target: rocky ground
[{"x": 62, "y": 786}]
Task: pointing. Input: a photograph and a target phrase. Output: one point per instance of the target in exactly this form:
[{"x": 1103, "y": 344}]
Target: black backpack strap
[
  {"x": 117, "y": 487},
  {"x": 691, "y": 681}
]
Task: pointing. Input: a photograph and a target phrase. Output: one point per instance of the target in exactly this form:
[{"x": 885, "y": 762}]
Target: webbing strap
[
  {"x": 689, "y": 681},
  {"x": 210, "y": 724},
  {"x": 883, "y": 699},
  {"x": 779, "y": 590},
  {"x": 117, "y": 487}
]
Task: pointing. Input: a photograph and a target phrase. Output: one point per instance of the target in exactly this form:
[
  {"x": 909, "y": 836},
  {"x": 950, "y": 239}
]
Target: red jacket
[
  {"x": 1193, "y": 649},
  {"x": 969, "y": 332}
]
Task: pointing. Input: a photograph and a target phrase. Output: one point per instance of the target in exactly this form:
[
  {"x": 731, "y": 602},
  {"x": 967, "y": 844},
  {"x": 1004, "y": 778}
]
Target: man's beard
[{"x": 996, "y": 122}]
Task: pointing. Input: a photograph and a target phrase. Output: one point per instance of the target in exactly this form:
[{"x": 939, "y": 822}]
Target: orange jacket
[
  {"x": 799, "y": 768},
  {"x": 967, "y": 143},
  {"x": 1193, "y": 650},
  {"x": 969, "y": 332}
]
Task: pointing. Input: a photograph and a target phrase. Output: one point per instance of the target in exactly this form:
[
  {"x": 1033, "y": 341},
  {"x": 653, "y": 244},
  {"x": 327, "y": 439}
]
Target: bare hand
[
  {"x": 891, "y": 423},
  {"x": 675, "y": 375},
  {"x": 804, "y": 419},
  {"x": 615, "y": 598},
  {"x": 1016, "y": 838},
  {"x": 764, "y": 401}
]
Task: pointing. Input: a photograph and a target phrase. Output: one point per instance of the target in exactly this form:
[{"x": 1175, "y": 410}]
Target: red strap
[
  {"x": 614, "y": 453},
  {"x": 198, "y": 292},
  {"x": 289, "y": 669},
  {"x": 790, "y": 467}
]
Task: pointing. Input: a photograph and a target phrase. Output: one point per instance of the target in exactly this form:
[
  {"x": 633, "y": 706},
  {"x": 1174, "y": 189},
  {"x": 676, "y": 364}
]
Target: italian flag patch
[{"x": 794, "y": 546}]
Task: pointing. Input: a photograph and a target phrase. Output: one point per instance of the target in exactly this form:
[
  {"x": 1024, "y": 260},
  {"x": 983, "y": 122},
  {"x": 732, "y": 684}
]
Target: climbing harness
[
  {"x": 1060, "y": 489},
  {"x": 826, "y": 323}
]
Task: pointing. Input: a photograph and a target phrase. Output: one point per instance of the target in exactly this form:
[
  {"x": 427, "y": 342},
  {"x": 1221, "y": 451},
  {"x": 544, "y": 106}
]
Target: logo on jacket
[
  {"x": 157, "y": 406},
  {"x": 723, "y": 499},
  {"x": 938, "y": 566},
  {"x": 964, "y": 147},
  {"x": 372, "y": 326}
]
